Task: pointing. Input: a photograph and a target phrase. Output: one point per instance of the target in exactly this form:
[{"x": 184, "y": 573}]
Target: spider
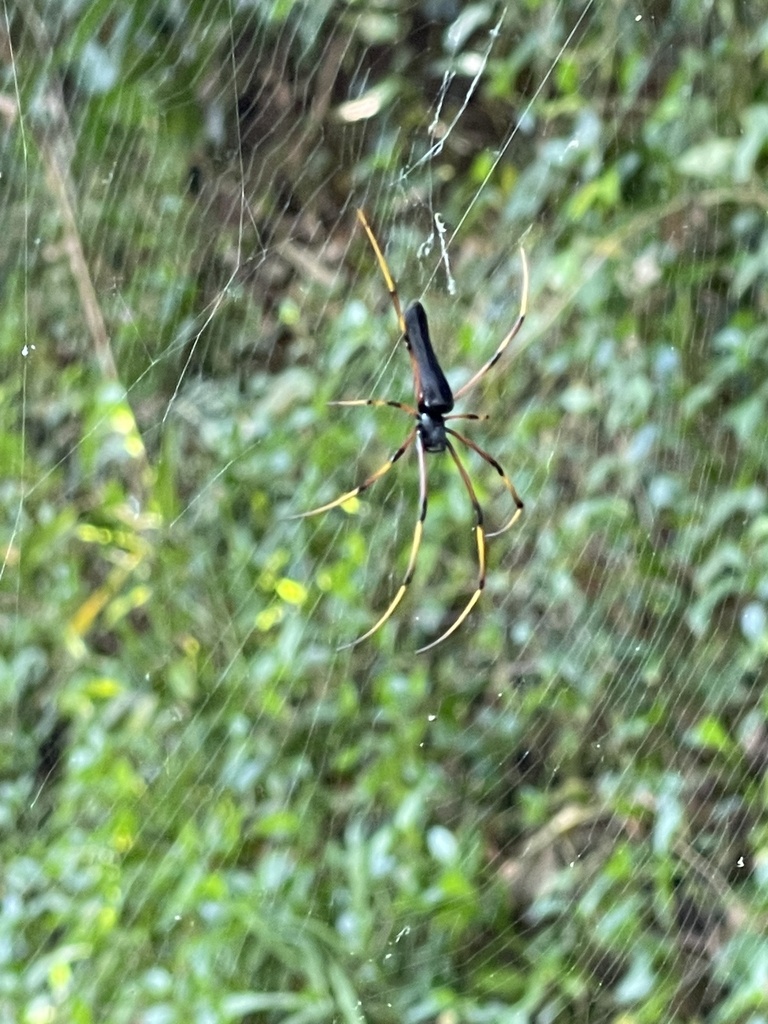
[{"x": 434, "y": 404}]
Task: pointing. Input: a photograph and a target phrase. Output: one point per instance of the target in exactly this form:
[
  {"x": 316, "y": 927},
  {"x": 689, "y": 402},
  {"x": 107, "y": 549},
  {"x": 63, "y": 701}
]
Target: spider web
[{"x": 209, "y": 812}]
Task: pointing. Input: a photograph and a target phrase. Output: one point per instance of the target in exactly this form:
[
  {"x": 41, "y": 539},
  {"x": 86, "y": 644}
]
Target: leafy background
[{"x": 207, "y": 813}]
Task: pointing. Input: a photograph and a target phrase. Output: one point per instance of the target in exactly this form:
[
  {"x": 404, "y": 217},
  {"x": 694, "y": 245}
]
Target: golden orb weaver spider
[{"x": 434, "y": 404}]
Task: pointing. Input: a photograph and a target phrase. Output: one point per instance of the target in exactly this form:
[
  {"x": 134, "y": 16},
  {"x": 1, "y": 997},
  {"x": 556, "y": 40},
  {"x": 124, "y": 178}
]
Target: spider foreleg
[
  {"x": 507, "y": 482},
  {"x": 365, "y": 484},
  {"x": 480, "y": 537},
  {"x": 417, "y": 535}
]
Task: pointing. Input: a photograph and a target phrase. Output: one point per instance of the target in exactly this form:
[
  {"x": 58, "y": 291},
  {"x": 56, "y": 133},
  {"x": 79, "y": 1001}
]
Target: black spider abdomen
[{"x": 434, "y": 391}]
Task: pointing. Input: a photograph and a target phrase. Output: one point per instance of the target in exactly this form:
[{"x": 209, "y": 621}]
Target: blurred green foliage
[{"x": 208, "y": 813}]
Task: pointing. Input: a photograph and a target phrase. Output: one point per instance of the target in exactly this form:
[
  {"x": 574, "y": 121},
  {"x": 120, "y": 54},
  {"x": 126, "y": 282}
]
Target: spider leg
[
  {"x": 365, "y": 484},
  {"x": 392, "y": 289},
  {"x": 507, "y": 482},
  {"x": 390, "y": 281},
  {"x": 377, "y": 401},
  {"x": 508, "y": 338},
  {"x": 417, "y": 535},
  {"x": 467, "y": 416},
  {"x": 480, "y": 536}
]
